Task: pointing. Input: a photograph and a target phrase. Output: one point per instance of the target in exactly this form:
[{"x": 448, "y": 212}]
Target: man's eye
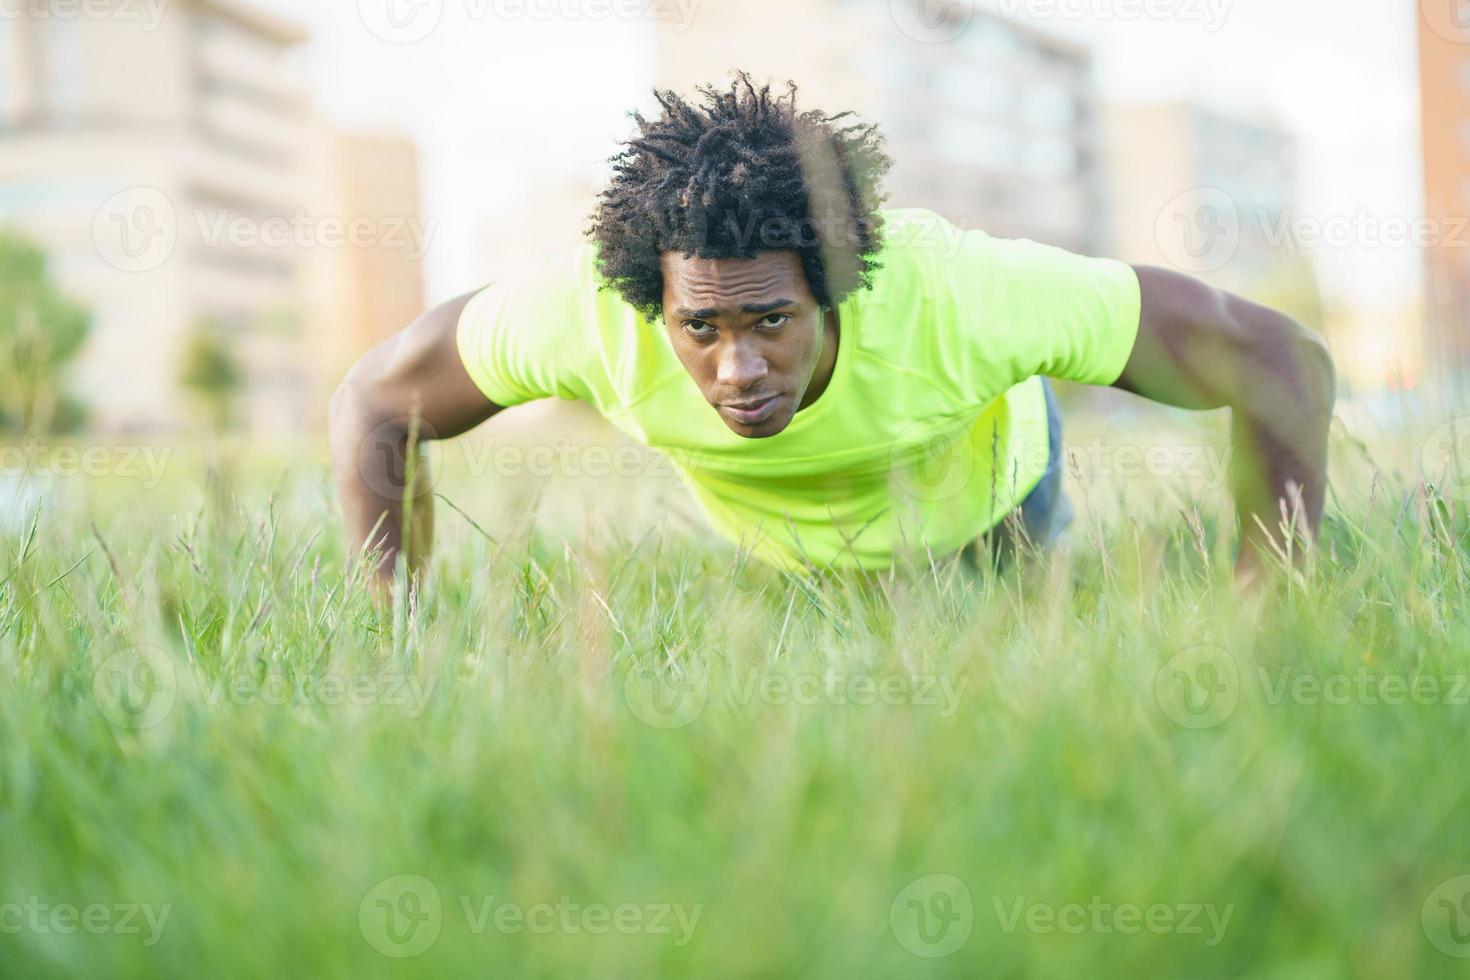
[
  {"x": 699, "y": 328},
  {"x": 775, "y": 321}
]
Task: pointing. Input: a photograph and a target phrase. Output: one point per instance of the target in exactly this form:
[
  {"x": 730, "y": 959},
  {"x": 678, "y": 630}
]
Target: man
[{"x": 746, "y": 307}]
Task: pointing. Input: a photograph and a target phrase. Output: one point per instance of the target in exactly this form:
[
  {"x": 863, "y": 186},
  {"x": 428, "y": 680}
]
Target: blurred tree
[
  {"x": 211, "y": 374},
  {"x": 41, "y": 332}
]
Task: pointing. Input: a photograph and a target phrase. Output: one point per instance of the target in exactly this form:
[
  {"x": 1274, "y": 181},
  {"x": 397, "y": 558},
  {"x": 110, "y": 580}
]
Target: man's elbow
[
  {"x": 1286, "y": 350},
  {"x": 1316, "y": 368},
  {"x": 357, "y": 402},
  {"x": 346, "y": 400}
]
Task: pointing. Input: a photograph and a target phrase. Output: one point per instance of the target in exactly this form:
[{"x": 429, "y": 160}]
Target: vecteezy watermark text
[
  {"x": 1103, "y": 918},
  {"x": 670, "y": 699},
  {"x": 410, "y": 21},
  {"x": 138, "y": 230},
  {"x": 840, "y": 688},
  {"x": 572, "y": 917},
  {"x": 147, "y": 13},
  {"x": 384, "y": 464},
  {"x": 386, "y": 688},
  {"x": 144, "y": 463},
  {"x": 402, "y": 916},
  {"x": 1203, "y": 228},
  {"x": 1201, "y": 686},
  {"x": 302, "y": 229},
  {"x": 1210, "y": 13},
  {"x": 94, "y": 918}
]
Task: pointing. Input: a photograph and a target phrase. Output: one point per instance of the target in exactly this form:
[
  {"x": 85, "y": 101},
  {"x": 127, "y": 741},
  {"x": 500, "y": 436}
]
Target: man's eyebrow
[
  {"x": 767, "y": 307},
  {"x": 709, "y": 311}
]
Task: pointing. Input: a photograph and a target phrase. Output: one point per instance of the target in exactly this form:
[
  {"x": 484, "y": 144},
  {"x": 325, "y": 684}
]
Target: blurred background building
[
  {"x": 1211, "y": 194},
  {"x": 991, "y": 123},
  {"x": 363, "y": 292},
  {"x": 185, "y": 190},
  {"x": 171, "y": 160},
  {"x": 1444, "y": 73}
]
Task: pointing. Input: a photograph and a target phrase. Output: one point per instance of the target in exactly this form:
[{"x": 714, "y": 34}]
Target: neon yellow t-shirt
[{"x": 932, "y": 428}]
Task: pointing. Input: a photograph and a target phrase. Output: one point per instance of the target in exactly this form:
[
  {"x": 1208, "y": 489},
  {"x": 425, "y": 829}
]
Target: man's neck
[{"x": 827, "y": 363}]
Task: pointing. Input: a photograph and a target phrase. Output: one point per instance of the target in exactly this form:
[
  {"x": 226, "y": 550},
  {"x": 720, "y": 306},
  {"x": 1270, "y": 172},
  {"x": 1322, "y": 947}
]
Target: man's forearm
[
  {"x": 409, "y": 389},
  {"x": 1279, "y": 435},
  {"x": 372, "y": 465},
  {"x": 1200, "y": 347}
]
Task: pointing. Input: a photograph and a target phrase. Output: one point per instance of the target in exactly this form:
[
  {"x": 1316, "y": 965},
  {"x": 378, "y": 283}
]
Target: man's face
[{"x": 750, "y": 333}]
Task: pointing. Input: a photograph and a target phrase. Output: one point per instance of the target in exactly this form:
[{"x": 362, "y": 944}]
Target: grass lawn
[{"x": 634, "y": 756}]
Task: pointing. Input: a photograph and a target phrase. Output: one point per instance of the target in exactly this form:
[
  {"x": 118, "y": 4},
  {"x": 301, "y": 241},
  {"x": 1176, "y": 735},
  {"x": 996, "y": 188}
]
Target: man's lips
[{"x": 753, "y": 412}]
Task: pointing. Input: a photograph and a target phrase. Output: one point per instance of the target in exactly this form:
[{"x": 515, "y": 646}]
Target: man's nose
[{"x": 741, "y": 366}]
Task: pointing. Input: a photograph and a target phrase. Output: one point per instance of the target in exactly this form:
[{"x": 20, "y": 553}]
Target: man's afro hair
[{"x": 740, "y": 172}]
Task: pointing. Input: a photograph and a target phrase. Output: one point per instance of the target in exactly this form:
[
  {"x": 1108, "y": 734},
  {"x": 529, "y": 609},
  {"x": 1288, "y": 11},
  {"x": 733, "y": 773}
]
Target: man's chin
[{"x": 761, "y": 430}]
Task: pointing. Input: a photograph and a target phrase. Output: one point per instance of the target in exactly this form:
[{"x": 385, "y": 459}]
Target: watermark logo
[
  {"x": 1445, "y": 459},
  {"x": 301, "y": 229},
  {"x": 384, "y": 459},
  {"x": 1450, "y": 19},
  {"x": 1198, "y": 687},
  {"x": 932, "y": 465},
  {"x": 136, "y": 230},
  {"x": 933, "y": 916},
  {"x": 384, "y": 688},
  {"x": 401, "y": 21},
  {"x": 401, "y": 916},
  {"x": 932, "y": 21},
  {"x": 1446, "y": 917},
  {"x": 135, "y": 689},
  {"x": 666, "y": 699},
  {"x": 1199, "y": 230}
]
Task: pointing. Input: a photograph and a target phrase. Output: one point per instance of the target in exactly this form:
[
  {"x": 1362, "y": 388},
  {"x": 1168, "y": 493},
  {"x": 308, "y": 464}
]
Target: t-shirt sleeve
[
  {"x": 534, "y": 335},
  {"x": 1035, "y": 309}
]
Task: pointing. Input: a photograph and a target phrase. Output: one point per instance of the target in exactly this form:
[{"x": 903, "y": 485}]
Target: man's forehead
[{"x": 697, "y": 279}]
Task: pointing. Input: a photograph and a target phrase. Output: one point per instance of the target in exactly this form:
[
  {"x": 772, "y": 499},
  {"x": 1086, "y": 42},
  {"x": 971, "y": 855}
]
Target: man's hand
[
  {"x": 1199, "y": 347},
  {"x": 409, "y": 389}
]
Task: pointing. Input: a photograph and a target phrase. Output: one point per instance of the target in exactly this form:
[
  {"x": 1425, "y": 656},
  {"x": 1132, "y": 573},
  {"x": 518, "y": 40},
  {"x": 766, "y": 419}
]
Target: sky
[{"x": 502, "y": 103}]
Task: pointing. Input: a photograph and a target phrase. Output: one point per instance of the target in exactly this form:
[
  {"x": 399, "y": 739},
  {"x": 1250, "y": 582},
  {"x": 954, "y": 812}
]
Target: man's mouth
[{"x": 753, "y": 412}]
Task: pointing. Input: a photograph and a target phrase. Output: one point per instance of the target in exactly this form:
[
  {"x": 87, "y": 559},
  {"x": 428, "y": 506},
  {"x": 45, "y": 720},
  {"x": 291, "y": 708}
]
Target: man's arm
[
  {"x": 1199, "y": 347},
  {"x": 411, "y": 384}
]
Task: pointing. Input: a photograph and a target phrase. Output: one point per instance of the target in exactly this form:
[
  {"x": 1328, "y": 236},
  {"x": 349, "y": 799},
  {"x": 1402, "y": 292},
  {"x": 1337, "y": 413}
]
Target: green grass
[{"x": 518, "y": 739}]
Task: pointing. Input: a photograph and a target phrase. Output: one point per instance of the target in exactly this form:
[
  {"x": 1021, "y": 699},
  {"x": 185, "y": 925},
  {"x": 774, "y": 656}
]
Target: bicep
[
  {"x": 419, "y": 371},
  {"x": 1195, "y": 342}
]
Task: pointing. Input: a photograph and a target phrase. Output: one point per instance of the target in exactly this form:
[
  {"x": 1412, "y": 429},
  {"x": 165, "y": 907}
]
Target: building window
[
  {"x": 977, "y": 143},
  {"x": 1050, "y": 158},
  {"x": 976, "y": 88},
  {"x": 1048, "y": 105}
]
